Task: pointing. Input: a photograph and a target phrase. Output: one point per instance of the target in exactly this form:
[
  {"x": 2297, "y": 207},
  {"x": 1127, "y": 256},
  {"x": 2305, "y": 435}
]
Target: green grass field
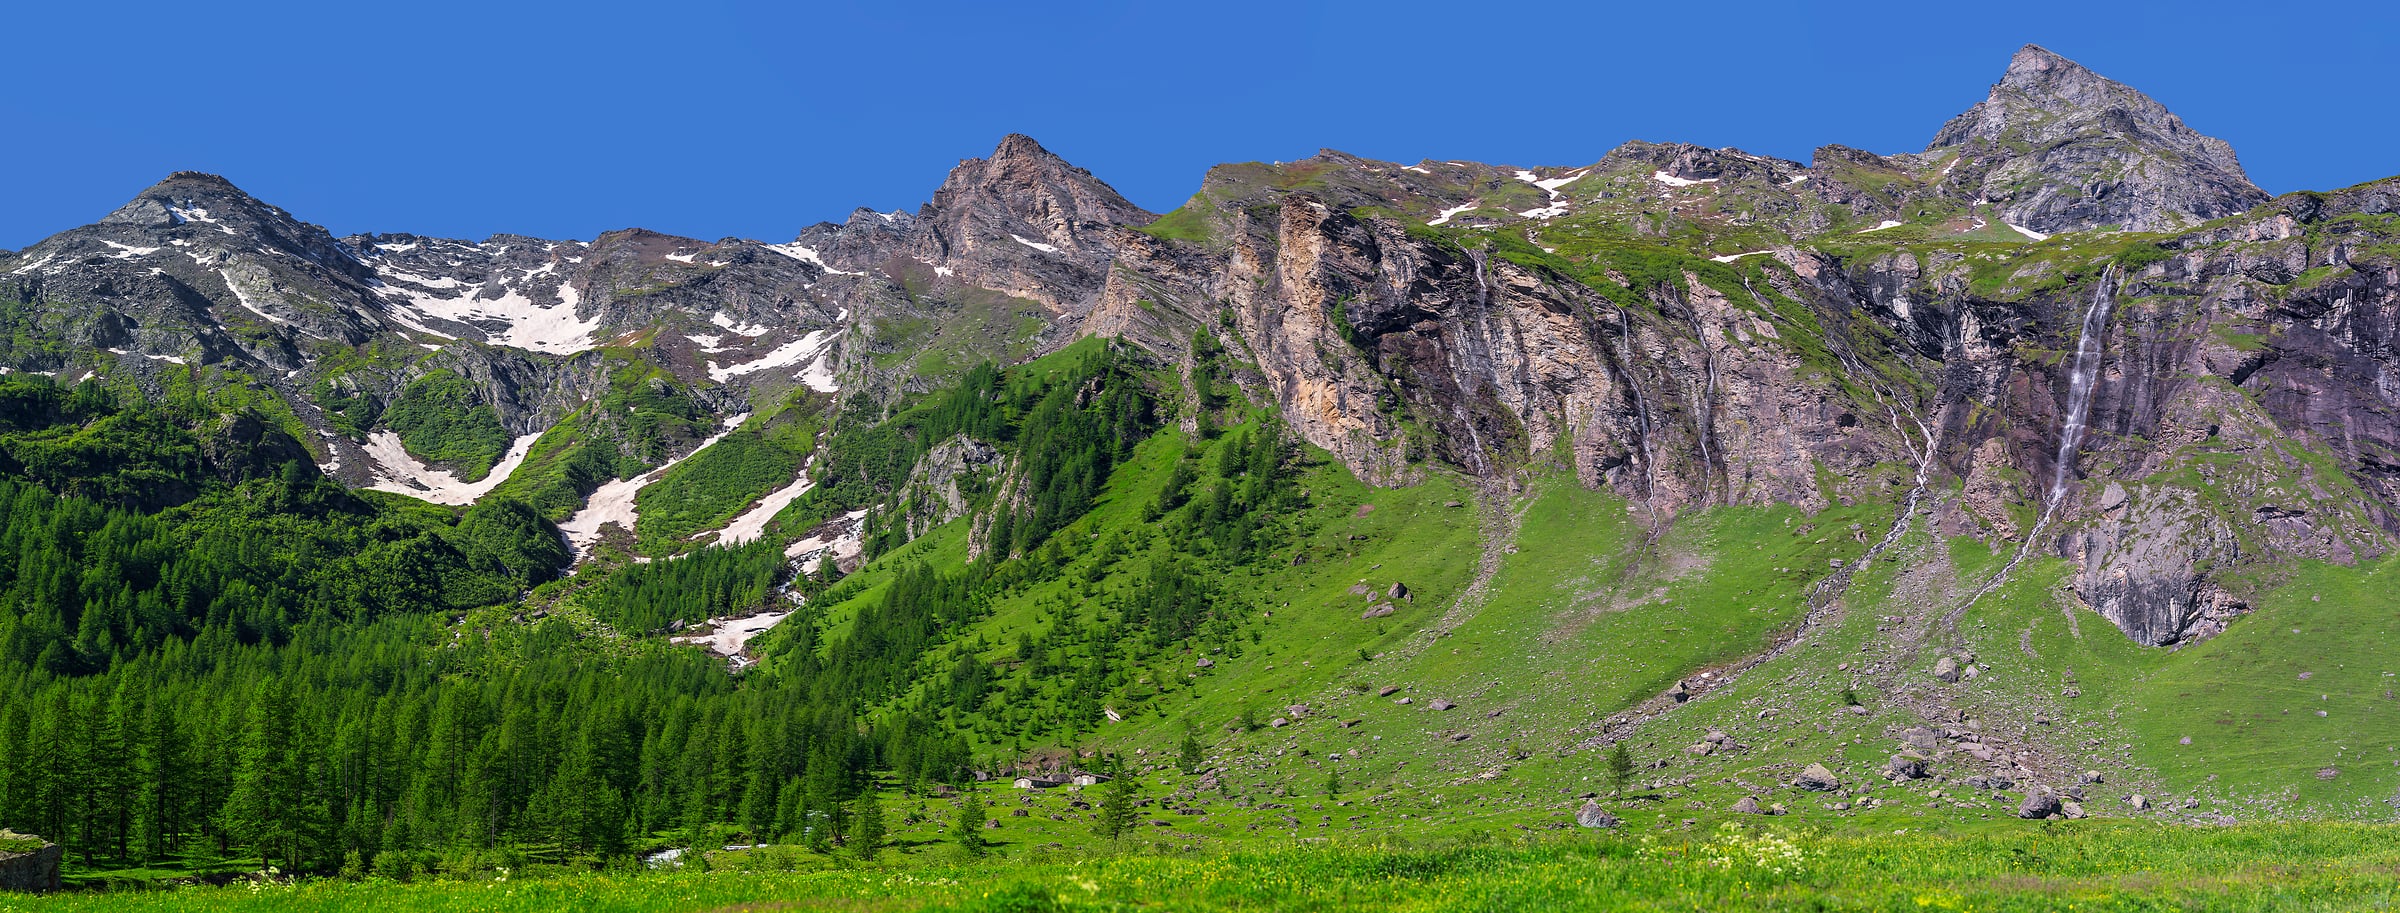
[{"x": 2084, "y": 866}]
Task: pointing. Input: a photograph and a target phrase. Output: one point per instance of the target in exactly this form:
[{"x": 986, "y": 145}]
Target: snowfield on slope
[
  {"x": 613, "y": 502},
  {"x": 399, "y": 472}
]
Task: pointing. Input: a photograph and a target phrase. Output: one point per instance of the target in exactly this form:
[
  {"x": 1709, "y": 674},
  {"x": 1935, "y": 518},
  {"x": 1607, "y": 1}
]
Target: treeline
[{"x": 366, "y": 748}]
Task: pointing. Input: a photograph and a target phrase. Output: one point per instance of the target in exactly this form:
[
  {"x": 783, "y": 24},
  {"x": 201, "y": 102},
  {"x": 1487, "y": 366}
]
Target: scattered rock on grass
[
  {"x": 1592, "y": 815},
  {"x": 1816, "y": 778}
]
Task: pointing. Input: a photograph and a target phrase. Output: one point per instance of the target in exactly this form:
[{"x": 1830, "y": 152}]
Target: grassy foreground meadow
[{"x": 2088, "y": 866}]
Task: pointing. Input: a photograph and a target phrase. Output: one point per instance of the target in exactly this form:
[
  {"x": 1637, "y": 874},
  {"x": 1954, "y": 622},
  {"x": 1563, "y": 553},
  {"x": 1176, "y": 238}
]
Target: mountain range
[{"x": 2064, "y": 370}]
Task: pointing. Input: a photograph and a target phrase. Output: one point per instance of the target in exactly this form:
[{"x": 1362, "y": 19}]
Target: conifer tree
[
  {"x": 866, "y": 825},
  {"x": 967, "y": 828}
]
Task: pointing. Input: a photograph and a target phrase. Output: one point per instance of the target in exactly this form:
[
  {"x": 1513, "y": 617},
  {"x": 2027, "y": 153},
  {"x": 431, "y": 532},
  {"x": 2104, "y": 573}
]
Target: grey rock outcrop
[
  {"x": 1816, "y": 778},
  {"x": 30, "y": 871},
  {"x": 2057, "y": 147}
]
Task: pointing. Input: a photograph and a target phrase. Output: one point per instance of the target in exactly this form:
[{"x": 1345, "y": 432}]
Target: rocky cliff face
[{"x": 1396, "y": 329}]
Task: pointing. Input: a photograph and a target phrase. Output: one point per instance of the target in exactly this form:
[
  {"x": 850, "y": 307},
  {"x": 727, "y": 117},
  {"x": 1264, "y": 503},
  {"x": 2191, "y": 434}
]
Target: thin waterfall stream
[{"x": 2083, "y": 378}]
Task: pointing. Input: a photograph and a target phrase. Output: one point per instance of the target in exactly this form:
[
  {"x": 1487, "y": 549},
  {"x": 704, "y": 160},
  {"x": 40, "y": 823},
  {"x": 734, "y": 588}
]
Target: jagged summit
[
  {"x": 1026, "y": 185},
  {"x": 2061, "y": 148}
]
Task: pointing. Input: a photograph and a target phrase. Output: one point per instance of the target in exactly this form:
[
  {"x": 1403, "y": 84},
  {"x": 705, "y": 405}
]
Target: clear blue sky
[{"x": 744, "y": 117}]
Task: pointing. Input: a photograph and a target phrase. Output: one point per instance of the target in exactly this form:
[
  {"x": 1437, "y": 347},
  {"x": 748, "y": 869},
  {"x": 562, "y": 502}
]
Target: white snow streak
[
  {"x": 2027, "y": 232},
  {"x": 1887, "y": 223},
  {"x": 399, "y": 472},
  {"x": 791, "y": 353},
  {"x": 806, "y": 254},
  {"x": 753, "y": 522},
  {"x": 613, "y": 502},
  {"x": 1673, "y": 181},
  {"x": 1729, "y": 258},
  {"x": 1448, "y": 213},
  {"x": 1036, "y": 245},
  {"x": 843, "y": 543},
  {"x": 554, "y": 329}
]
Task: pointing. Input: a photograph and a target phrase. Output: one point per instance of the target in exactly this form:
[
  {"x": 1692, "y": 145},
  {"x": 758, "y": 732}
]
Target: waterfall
[
  {"x": 2083, "y": 377},
  {"x": 1466, "y": 416}
]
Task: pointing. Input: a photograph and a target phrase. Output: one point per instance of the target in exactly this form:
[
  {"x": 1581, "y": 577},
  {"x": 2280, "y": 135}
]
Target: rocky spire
[
  {"x": 1028, "y": 191},
  {"x": 2057, "y": 147}
]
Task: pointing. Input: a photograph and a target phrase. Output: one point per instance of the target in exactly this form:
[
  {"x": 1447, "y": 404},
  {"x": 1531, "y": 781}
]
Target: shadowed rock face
[
  {"x": 33, "y": 871},
  {"x": 2059, "y": 148}
]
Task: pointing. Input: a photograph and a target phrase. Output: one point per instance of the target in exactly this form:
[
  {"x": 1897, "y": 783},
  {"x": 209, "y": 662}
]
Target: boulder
[
  {"x": 1592, "y": 815},
  {"x": 1815, "y": 778},
  {"x": 1907, "y": 766},
  {"x": 1748, "y": 806},
  {"x": 2140, "y": 803},
  {"x": 2091, "y": 776},
  {"x": 1946, "y": 669},
  {"x": 1378, "y": 610},
  {"x": 1398, "y": 592},
  {"x": 1679, "y": 693},
  {"x": 1278, "y": 723},
  {"x": 1387, "y": 691},
  {"x": 1361, "y": 589},
  {"x": 2070, "y": 809},
  {"x": 1204, "y": 662},
  {"x": 1718, "y": 736},
  {"x": 1440, "y": 704},
  {"x": 29, "y": 870},
  {"x": 2038, "y": 804}
]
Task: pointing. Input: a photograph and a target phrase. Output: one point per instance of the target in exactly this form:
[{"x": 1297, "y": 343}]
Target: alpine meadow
[{"x": 1991, "y": 527}]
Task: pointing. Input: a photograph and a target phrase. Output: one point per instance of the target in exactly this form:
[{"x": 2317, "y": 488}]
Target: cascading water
[
  {"x": 2083, "y": 376},
  {"x": 1483, "y": 306},
  {"x": 2079, "y": 387}
]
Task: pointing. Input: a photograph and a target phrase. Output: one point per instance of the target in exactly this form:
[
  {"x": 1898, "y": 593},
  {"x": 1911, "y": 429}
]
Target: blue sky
[{"x": 742, "y": 117}]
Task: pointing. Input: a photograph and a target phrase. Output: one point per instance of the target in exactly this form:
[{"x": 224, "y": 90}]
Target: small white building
[
  {"x": 1038, "y": 783},
  {"x": 1086, "y": 779}
]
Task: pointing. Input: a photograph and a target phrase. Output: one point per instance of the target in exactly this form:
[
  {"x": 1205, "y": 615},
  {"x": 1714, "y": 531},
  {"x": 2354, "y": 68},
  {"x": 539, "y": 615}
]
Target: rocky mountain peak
[
  {"x": 2061, "y": 148},
  {"x": 1021, "y": 186},
  {"x": 192, "y": 196}
]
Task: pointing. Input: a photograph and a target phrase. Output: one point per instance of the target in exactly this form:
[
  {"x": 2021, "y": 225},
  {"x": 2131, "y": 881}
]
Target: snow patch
[
  {"x": 721, "y": 320},
  {"x": 1729, "y": 258},
  {"x": 731, "y": 635},
  {"x": 2027, "y": 232},
  {"x": 806, "y": 254},
  {"x": 1887, "y": 223},
  {"x": 170, "y": 359},
  {"x": 613, "y": 502},
  {"x": 753, "y": 522},
  {"x": 1036, "y": 245},
  {"x": 1415, "y": 169},
  {"x": 399, "y": 472},
  {"x": 1795, "y": 181},
  {"x": 1673, "y": 181},
  {"x": 1453, "y": 211},
  {"x": 197, "y": 214},
  {"x": 682, "y": 258},
  {"x": 554, "y": 329},
  {"x": 128, "y": 251},
  {"x": 837, "y": 542},
  {"x": 783, "y": 356}
]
